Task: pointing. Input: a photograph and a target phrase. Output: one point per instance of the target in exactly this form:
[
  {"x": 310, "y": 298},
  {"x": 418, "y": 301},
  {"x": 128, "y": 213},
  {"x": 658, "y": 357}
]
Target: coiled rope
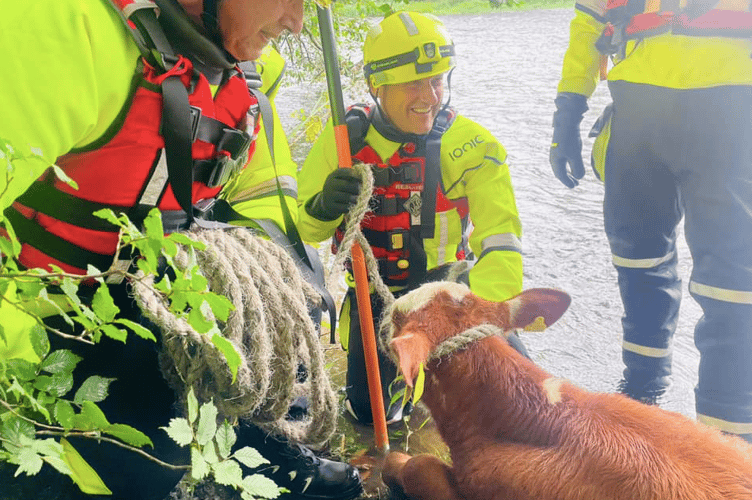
[{"x": 270, "y": 327}]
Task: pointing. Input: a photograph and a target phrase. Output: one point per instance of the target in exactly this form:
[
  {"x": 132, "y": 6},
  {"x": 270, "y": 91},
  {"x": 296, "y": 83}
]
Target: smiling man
[
  {"x": 144, "y": 105},
  {"x": 434, "y": 171}
]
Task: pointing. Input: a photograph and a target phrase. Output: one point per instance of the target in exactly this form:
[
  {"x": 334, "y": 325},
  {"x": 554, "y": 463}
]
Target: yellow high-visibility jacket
[
  {"x": 68, "y": 75},
  {"x": 666, "y": 60},
  {"x": 473, "y": 166}
]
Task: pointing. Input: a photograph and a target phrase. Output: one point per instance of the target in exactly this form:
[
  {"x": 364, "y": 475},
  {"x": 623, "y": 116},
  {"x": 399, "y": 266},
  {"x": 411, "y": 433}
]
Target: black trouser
[{"x": 357, "y": 378}]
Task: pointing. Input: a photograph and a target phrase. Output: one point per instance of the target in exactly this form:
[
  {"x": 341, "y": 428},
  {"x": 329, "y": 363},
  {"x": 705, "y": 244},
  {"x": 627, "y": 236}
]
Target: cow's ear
[
  {"x": 535, "y": 309},
  {"x": 412, "y": 351}
]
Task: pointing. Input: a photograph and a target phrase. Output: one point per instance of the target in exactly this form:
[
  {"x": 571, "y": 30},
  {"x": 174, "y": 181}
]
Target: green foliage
[
  {"x": 211, "y": 452},
  {"x": 39, "y": 409}
]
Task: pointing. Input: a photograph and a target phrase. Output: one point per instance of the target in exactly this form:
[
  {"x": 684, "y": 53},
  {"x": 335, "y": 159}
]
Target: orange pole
[{"x": 362, "y": 289}]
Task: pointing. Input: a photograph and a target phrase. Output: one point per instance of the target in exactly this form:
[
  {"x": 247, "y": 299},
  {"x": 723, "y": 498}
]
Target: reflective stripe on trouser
[
  {"x": 675, "y": 152},
  {"x": 357, "y": 377}
]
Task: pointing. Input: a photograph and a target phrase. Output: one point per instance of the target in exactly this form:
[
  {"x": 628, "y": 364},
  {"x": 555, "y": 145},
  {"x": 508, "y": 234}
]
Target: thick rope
[
  {"x": 270, "y": 328},
  {"x": 464, "y": 339},
  {"x": 354, "y": 234}
]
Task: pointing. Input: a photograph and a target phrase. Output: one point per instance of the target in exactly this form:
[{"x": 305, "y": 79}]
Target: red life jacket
[
  {"x": 127, "y": 171},
  {"x": 637, "y": 19},
  {"x": 393, "y": 224}
]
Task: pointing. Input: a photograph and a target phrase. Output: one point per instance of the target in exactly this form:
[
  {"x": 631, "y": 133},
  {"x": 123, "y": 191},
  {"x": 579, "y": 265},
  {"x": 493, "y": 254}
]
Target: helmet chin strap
[{"x": 388, "y": 130}]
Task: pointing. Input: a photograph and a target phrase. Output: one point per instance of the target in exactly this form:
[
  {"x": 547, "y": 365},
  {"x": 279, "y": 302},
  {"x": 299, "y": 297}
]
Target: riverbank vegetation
[{"x": 449, "y": 7}]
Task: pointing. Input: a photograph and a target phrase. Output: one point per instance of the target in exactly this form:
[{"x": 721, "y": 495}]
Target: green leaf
[
  {"x": 14, "y": 428},
  {"x": 228, "y": 473},
  {"x": 64, "y": 413},
  {"x": 83, "y": 475},
  {"x": 70, "y": 288},
  {"x": 48, "y": 447},
  {"x": 22, "y": 369},
  {"x": 58, "y": 384},
  {"x": 256, "y": 485},
  {"x": 29, "y": 462},
  {"x": 60, "y": 174},
  {"x": 93, "y": 388},
  {"x": 250, "y": 457},
  {"x": 138, "y": 329},
  {"x": 199, "y": 466},
  {"x": 420, "y": 383},
  {"x": 183, "y": 239},
  {"x": 228, "y": 350},
  {"x": 198, "y": 321},
  {"x": 91, "y": 417},
  {"x": 180, "y": 431},
  {"x": 153, "y": 225},
  {"x": 225, "y": 439},
  {"x": 108, "y": 215},
  {"x": 114, "y": 332},
  {"x": 129, "y": 435},
  {"x": 198, "y": 280},
  {"x": 220, "y": 305},
  {"x": 103, "y": 305},
  {"x": 39, "y": 340},
  {"x": 210, "y": 454},
  {"x": 61, "y": 360},
  {"x": 207, "y": 423},
  {"x": 192, "y": 406},
  {"x": 58, "y": 463}
]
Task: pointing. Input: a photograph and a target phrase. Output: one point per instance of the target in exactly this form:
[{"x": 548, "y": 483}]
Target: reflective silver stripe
[
  {"x": 722, "y": 294},
  {"x": 726, "y": 426},
  {"x": 650, "y": 352},
  {"x": 409, "y": 24},
  {"x": 506, "y": 241},
  {"x": 157, "y": 183},
  {"x": 268, "y": 188},
  {"x": 640, "y": 263},
  {"x": 443, "y": 231}
]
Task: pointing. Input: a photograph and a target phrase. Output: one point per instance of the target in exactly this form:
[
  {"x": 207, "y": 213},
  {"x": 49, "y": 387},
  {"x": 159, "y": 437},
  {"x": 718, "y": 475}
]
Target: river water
[{"x": 508, "y": 66}]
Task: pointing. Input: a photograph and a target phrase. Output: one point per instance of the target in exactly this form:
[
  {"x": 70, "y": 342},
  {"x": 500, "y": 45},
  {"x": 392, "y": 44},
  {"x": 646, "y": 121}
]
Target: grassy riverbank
[{"x": 447, "y": 7}]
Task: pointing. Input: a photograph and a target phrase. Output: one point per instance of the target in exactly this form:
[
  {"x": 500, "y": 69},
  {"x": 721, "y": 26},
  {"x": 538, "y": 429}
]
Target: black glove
[
  {"x": 566, "y": 145},
  {"x": 340, "y": 192}
]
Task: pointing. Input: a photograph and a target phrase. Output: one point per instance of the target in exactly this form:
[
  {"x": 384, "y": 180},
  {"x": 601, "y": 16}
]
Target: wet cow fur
[{"x": 516, "y": 432}]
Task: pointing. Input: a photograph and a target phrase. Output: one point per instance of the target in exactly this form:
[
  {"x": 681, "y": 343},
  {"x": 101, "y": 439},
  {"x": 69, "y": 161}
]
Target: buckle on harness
[
  {"x": 236, "y": 143},
  {"x": 224, "y": 168}
]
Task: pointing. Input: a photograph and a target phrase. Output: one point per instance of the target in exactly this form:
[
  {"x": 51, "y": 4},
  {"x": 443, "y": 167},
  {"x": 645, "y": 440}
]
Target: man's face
[
  {"x": 248, "y": 25},
  {"x": 413, "y": 106}
]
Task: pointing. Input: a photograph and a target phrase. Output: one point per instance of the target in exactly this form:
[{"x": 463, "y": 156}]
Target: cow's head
[{"x": 424, "y": 318}]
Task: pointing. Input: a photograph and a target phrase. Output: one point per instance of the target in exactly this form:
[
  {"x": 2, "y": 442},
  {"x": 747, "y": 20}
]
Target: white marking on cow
[
  {"x": 552, "y": 388},
  {"x": 423, "y": 295}
]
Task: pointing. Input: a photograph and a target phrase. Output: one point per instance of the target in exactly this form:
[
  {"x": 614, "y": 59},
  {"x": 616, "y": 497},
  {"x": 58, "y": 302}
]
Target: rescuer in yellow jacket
[
  {"x": 439, "y": 178},
  {"x": 115, "y": 110},
  {"x": 677, "y": 142}
]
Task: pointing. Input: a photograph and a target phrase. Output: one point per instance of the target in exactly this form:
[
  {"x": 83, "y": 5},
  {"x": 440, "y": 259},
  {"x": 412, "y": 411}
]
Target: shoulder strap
[
  {"x": 313, "y": 273},
  {"x": 357, "y": 119},
  {"x": 443, "y": 121}
]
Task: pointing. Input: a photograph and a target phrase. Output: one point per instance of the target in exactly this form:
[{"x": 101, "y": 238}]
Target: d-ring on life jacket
[{"x": 174, "y": 146}]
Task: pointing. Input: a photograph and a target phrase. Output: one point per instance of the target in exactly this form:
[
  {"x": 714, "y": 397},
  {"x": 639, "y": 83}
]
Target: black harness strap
[
  {"x": 312, "y": 273},
  {"x": 433, "y": 173}
]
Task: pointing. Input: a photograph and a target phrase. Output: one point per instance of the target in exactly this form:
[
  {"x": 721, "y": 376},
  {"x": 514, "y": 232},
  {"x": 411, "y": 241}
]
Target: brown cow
[{"x": 516, "y": 432}]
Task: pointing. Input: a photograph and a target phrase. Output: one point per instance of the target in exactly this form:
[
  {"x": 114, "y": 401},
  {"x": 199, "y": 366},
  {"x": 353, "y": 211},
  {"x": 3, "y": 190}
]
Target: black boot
[
  {"x": 645, "y": 389},
  {"x": 295, "y": 467}
]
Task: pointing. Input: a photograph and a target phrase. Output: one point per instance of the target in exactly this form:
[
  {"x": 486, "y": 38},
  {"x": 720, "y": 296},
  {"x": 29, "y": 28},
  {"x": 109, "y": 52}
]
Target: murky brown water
[{"x": 509, "y": 64}]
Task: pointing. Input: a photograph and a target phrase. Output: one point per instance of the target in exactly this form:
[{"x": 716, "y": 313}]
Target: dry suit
[
  {"x": 416, "y": 224},
  {"x": 680, "y": 146}
]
